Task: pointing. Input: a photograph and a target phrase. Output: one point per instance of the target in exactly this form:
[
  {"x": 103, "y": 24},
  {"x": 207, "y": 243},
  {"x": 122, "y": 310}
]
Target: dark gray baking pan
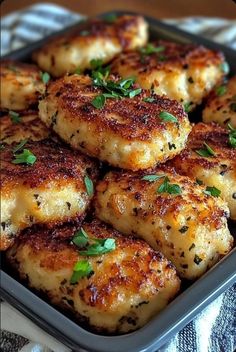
[{"x": 177, "y": 314}]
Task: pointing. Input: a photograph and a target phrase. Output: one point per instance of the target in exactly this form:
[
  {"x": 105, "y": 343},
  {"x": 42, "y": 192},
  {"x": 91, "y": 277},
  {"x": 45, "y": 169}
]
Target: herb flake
[
  {"x": 80, "y": 238},
  {"x": 101, "y": 246},
  {"x": 212, "y": 191},
  {"x": 152, "y": 178},
  {"x": 167, "y": 187},
  {"x": 81, "y": 269},
  {"x": 45, "y": 77},
  {"x": 25, "y": 157},
  {"x": 232, "y": 136},
  {"x": 166, "y": 116},
  {"x": 207, "y": 152},
  {"x": 221, "y": 90},
  {"x": 89, "y": 185}
]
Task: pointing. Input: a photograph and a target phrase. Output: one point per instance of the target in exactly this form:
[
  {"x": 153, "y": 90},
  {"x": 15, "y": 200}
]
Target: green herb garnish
[
  {"x": 212, "y": 191},
  {"x": 221, "y": 90},
  {"x": 26, "y": 157},
  {"x": 101, "y": 246},
  {"x": 232, "y": 136},
  {"x": 45, "y": 77},
  {"x": 151, "y": 49},
  {"x": 80, "y": 238},
  {"x": 89, "y": 185},
  {"x": 15, "y": 116},
  {"x": 110, "y": 18},
  {"x": 19, "y": 146},
  {"x": 166, "y": 116},
  {"x": 99, "y": 101},
  {"x": 152, "y": 178},
  {"x": 187, "y": 107},
  {"x": 81, "y": 269},
  {"x": 96, "y": 63},
  {"x": 207, "y": 152},
  {"x": 167, "y": 187},
  {"x": 149, "y": 99}
]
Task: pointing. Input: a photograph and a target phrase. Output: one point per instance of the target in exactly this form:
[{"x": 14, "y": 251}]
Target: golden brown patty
[
  {"x": 97, "y": 39},
  {"x": 21, "y": 85},
  {"x": 188, "y": 226},
  {"x": 217, "y": 170},
  {"x": 221, "y": 105},
  {"x": 184, "y": 72},
  {"x": 28, "y": 126},
  {"x": 50, "y": 191},
  {"x": 125, "y": 288},
  {"x": 127, "y": 133}
]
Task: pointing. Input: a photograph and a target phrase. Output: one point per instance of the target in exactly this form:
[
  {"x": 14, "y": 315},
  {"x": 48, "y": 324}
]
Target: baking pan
[{"x": 179, "y": 312}]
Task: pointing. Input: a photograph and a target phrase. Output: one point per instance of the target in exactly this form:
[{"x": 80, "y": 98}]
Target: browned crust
[
  {"x": 73, "y": 95},
  {"x": 54, "y": 162},
  {"x": 17, "y": 68},
  {"x": 120, "y": 30},
  {"x": 175, "y": 55},
  {"x": 217, "y": 138}
]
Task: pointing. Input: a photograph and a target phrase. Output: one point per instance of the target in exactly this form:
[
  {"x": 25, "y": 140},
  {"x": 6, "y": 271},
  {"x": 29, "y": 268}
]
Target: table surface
[{"x": 154, "y": 8}]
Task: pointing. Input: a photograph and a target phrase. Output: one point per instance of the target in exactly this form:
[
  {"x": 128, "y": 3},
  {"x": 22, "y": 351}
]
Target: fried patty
[
  {"x": 51, "y": 191},
  {"x": 20, "y": 85},
  {"x": 217, "y": 170},
  {"x": 188, "y": 226},
  {"x": 29, "y": 126},
  {"x": 221, "y": 105},
  {"x": 184, "y": 72},
  {"x": 96, "y": 39},
  {"x": 127, "y": 132},
  {"x": 125, "y": 288}
]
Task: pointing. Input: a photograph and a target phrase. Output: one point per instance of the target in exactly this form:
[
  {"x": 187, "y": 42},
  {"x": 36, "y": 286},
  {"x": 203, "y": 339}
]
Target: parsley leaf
[
  {"x": 110, "y": 18},
  {"x": 81, "y": 269},
  {"x": 187, "y": 107},
  {"x": 166, "y": 116},
  {"x": 96, "y": 63},
  {"x": 167, "y": 187},
  {"x": 100, "y": 246},
  {"x": 151, "y": 49},
  {"x": 225, "y": 67},
  {"x": 152, "y": 178},
  {"x": 207, "y": 152},
  {"x": 212, "y": 191},
  {"x": 99, "y": 101},
  {"x": 89, "y": 185},
  {"x": 80, "y": 238},
  {"x": 45, "y": 77},
  {"x": 15, "y": 116},
  {"x": 26, "y": 157},
  {"x": 149, "y": 99},
  {"x": 232, "y": 136},
  {"x": 221, "y": 90}
]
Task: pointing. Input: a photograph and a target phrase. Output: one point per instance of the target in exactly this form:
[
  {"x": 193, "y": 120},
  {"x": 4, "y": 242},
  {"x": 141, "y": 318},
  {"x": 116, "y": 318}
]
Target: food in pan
[
  {"x": 170, "y": 212},
  {"x": 111, "y": 282},
  {"x": 21, "y": 85},
  {"x": 42, "y": 182},
  {"x": 210, "y": 158},
  {"x": 221, "y": 105},
  {"x": 133, "y": 132},
  {"x": 184, "y": 72},
  {"x": 16, "y": 126},
  {"x": 98, "y": 39}
]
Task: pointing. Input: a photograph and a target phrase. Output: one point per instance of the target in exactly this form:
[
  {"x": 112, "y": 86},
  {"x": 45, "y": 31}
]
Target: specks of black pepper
[
  {"x": 159, "y": 271},
  {"x": 169, "y": 266},
  {"x": 72, "y": 136},
  {"x": 82, "y": 144},
  {"x": 171, "y": 146},
  {"x": 63, "y": 282},
  {"x": 135, "y": 211},
  {"x": 168, "y": 227},
  {"x": 132, "y": 321},
  {"x": 57, "y": 94},
  {"x": 141, "y": 303},
  {"x": 77, "y": 131},
  {"x": 3, "y": 225},
  {"x": 161, "y": 149},
  {"x": 184, "y": 266},
  {"x": 68, "y": 205},
  {"x": 190, "y": 80},
  {"x": 197, "y": 260},
  {"x": 36, "y": 196},
  {"x": 183, "y": 229},
  {"x": 188, "y": 218},
  {"x": 99, "y": 261},
  {"x": 137, "y": 196},
  {"x": 153, "y": 222},
  {"x": 87, "y": 108},
  {"x": 192, "y": 246},
  {"x": 182, "y": 255},
  {"x": 89, "y": 171},
  {"x": 234, "y": 195},
  {"x": 38, "y": 203}
]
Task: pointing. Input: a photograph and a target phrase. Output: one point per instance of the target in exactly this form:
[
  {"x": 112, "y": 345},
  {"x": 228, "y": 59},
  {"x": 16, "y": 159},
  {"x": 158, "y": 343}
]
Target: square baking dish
[{"x": 179, "y": 312}]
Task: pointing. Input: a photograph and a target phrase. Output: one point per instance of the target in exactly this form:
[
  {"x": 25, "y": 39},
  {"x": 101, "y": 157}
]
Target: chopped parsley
[
  {"x": 110, "y": 18},
  {"x": 166, "y": 116},
  {"x": 152, "y": 178},
  {"x": 232, "y": 136},
  {"x": 212, "y": 191},
  {"x": 80, "y": 238},
  {"x": 99, "y": 101},
  {"x": 101, "y": 246},
  {"x": 15, "y": 116},
  {"x": 45, "y": 77},
  {"x": 167, "y": 187},
  {"x": 206, "y": 152},
  {"x": 149, "y": 99},
  {"x": 96, "y": 63},
  {"x": 89, "y": 185},
  {"x": 221, "y": 90},
  {"x": 187, "y": 107},
  {"x": 81, "y": 269},
  {"x": 151, "y": 49},
  {"x": 19, "y": 146},
  {"x": 25, "y": 157}
]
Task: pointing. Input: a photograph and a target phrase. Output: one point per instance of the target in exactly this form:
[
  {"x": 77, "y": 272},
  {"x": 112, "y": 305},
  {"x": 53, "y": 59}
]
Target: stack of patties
[{"x": 118, "y": 131}]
